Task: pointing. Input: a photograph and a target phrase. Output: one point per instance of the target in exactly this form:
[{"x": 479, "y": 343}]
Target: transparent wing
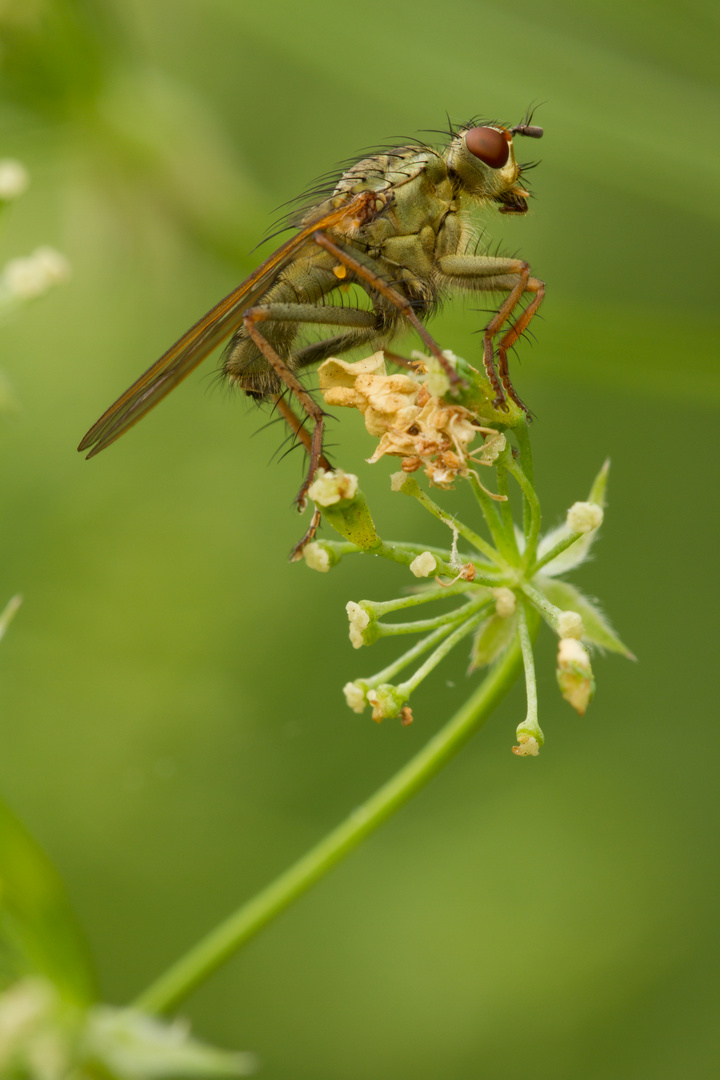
[{"x": 200, "y": 340}]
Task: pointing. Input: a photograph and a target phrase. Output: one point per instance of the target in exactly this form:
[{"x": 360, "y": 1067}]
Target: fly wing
[{"x": 200, "y": 340}]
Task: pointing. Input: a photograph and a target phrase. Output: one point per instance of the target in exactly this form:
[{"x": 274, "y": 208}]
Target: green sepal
[
  {"x": 387, "y": 701},
  {"x": 577, "y": 686},
  {"x": 599, "y": 485},
  {"x": 597, "y": 629},
  {"x": 491, "y": 640},
  {"x": 477, "y": 396},
  {"x": 352, "y": 519},
  {"x": 38, "y": 931}
]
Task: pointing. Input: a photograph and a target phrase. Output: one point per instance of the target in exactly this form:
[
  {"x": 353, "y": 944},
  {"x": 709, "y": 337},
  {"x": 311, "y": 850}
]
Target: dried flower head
[{"x": 410, "y": 422}]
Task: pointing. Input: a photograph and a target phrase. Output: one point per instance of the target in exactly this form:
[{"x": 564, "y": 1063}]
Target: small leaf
[
  {"x": 9, "y": 614},
  {"x": 38, "y": 931},
  {"x": 491, "y": 640},
  {"x": 578, "y": 552},
  {"x": 599, "y": 485},
  {"x": 597, "y": 629}
]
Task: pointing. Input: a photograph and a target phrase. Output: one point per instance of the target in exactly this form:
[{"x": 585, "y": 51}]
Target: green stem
[
  {"x": 441, "y": 652},
  {"x": 402, "y": 603},
  {"x": 222, "y": 942},
  {"x": 399, "y": 664},
  {"x": 467, "y": 534},
  {"x": 549, "y": 611},
  {"x": 532, "y": 515},
  {"x": 529, "y": 665},
  {"x": 506, "y": 514},
  {"x": 398, "y": 553},
  {"x": 522, "y": 436},
  {"x": 562, "y": 545},
  {"x": 419, "y": 626},
  {"x": 441, "y": 553},
  {"x": 490, "y": 511}
]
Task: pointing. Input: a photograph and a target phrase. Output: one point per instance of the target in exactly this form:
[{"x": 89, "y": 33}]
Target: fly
[{"x": 398, "y": 224}]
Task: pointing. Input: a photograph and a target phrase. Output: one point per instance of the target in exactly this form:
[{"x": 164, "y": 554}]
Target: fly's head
[{"x": 483, "y": 159}]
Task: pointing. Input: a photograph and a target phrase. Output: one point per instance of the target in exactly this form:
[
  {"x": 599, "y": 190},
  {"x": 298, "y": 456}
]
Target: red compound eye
[{"x": 488, "y": 144}]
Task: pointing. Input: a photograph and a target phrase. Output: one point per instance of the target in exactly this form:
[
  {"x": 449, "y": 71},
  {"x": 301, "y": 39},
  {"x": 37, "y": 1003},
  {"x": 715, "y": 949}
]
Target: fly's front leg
[
  {"x": 302, "y": 313},
  {"x": 364, "y": 269},
  {"x": 517, "y": 328},
  {"x": 485, "y": 273}
]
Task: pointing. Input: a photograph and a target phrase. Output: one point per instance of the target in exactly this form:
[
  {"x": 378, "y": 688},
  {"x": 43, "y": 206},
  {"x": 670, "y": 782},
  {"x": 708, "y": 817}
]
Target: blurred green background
[{"x": 173, "y": 728}]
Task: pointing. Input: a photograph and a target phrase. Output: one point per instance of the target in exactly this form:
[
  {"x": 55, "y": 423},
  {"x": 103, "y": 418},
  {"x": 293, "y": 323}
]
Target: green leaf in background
[{"x": 38, "y": 931}]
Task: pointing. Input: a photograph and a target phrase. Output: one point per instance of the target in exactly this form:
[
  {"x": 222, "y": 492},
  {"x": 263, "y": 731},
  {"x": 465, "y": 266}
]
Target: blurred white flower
[
  {"x": 32, "y": 275},
  {"x": 14, "y": 179}
]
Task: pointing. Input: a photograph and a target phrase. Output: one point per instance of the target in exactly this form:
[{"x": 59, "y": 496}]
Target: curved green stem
[
  {"x": 222, "y": 942},
  {"x": 532, "y": 515}
]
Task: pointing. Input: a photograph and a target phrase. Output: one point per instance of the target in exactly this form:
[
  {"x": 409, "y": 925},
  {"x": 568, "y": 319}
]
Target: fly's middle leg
[{"x": 364, "y": 269}]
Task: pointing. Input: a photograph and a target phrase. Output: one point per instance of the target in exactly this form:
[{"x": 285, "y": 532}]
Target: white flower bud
[
  {"x": 424, "y": 565},
  {"x": 574, "y": 674},
  {"x": 505, "y": 602},
  {"x": 359, "y": 621},
  {"x": 14, "y": 179},
  {"x": 329, "y": 488},
  {"x": 398, "y": 480},
  {"x": 354, "y": 696},
  {"x": 317, "y": 557},
  {"x": 570, "y": 651},
  {"x": 584, "y": 517},
  {"x": 570, "y": 625}
]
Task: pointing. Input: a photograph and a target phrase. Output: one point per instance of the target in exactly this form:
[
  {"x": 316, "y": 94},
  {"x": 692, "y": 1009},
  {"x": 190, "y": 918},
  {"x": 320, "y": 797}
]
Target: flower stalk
[
  {"x": 210, "y": 953},
  {"x": 505, "y": 583}
]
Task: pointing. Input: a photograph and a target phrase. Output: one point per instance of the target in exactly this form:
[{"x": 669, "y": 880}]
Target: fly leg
[
  {"x": 365, "y": 324},
  {"x": 364, "y": 268},
  {"x": 297, "y": 426},
  {"x": 517, "y": 328},
  {"x": 485, "y": 273}
]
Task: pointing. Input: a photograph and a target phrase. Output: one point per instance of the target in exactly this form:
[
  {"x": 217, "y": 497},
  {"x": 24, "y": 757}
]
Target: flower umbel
[{"x": 496, "y": 589}]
